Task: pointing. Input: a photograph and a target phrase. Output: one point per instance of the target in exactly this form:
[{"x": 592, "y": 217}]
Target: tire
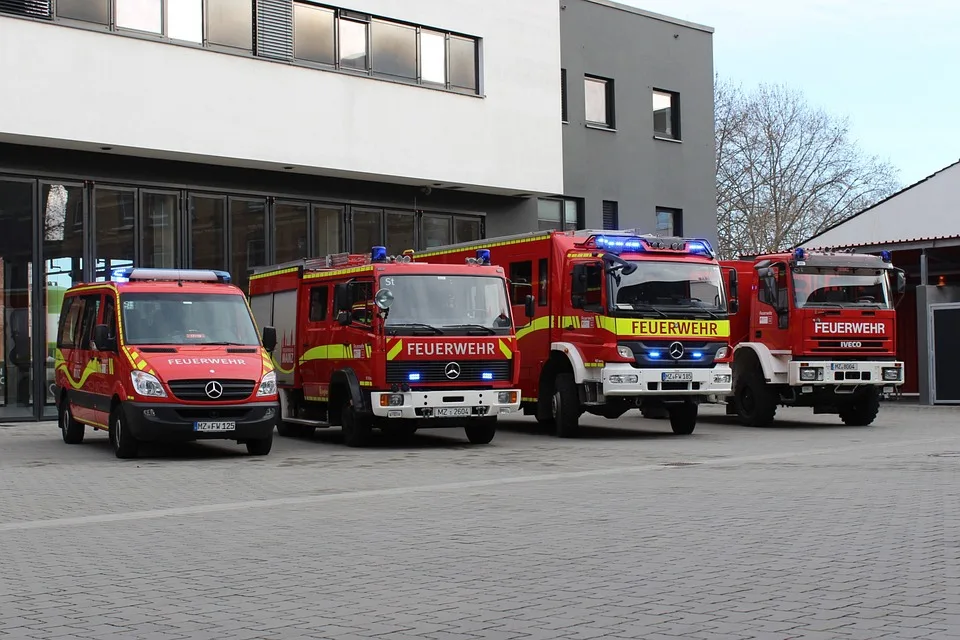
[
  {"x": 756, "y": 401},
  {"x": 482, "y": 431},
  {"x": 288, "y": 430},
  {"x": 124, "y": 444},
  {"x": 357, "y": 429},
  {"x": 683, "y": 418},
  {"x": 862, "y": 409},
  {"x": 566, "y": 406},
  {"x": 70, "y": 429},
  {"x": 260, "y": 447}
]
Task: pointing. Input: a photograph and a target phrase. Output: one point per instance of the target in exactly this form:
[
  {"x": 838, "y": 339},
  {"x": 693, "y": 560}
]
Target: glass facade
[{"x": 62, "y": 231}]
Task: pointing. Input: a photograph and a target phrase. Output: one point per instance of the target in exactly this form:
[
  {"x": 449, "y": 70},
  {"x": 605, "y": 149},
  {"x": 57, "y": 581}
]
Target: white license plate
[
  {"x": 214, "y": 426},
  {"x": 677, "y": 376},
  {"x": 453, "y": 412},
  {"x": 844, "y": 366}
]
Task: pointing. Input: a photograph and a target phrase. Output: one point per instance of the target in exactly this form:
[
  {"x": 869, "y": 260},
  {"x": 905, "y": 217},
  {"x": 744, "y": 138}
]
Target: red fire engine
[
  {"x": 817, "y": 329},
  {"x": 620, "y": 321},
  {"x": 381, "y": 342}
]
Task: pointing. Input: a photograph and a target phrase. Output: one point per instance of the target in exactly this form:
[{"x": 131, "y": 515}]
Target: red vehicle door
[
  {"x": 105, "y": 366},
  {"x": 315, "y": 329},
  {"x": 82, "y": 362},
  {"x": 351, "y": 344},
  {"x": 769, "y": 326}
]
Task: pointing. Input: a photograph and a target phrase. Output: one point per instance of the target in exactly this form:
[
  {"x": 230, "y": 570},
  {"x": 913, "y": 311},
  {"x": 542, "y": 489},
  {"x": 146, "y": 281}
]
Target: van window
[
  {"x": 542, "y": 281},
  {"x": 521, "y": 281},
  {"x": 69, "y": 322},
  {"x": 110, "y": 315},
  {"x": 91, "y": 310},
  {"x": 318, "y": 303},
  {"x": 362, "y": 296}
]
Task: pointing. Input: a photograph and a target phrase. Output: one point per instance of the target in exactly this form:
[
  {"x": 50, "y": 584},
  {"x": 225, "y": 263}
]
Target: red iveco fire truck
[
  {"x": 816, "y": 330},
  {"x": 377, "y": 341},
  {"x": 620, "y": 320}
]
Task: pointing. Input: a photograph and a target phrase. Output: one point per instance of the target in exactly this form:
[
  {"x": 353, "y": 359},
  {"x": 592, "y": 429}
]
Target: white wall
[{"x": 74, "y": 88}]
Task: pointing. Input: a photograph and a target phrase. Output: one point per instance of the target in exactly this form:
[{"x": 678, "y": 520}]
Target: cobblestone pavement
[{"x": 806, "y": 530}]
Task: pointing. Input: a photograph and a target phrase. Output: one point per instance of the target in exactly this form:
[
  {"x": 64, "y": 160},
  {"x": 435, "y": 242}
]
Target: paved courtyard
[{"x": 806, "y": 530}]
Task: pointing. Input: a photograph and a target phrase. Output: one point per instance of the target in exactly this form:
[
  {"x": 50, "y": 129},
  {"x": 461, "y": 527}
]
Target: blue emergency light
[
  {"x": 613, "y": 243},
  {"x": 486, "y": 375},
  {"x": 697, "y": 355},
  {"x": 654, "y": 355},
  {"x": 413, "y": 377},
  {"x": 799, "y": 254},
  {"x": 483, "y": 256},
  {"x": 885, "y": 256},
  {"x": 378, "y": 254}
]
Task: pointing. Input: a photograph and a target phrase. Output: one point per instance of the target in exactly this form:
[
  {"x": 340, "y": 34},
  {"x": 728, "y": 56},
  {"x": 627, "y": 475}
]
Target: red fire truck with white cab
[
  {"x": 815, "y": 329},
  {"x": 620, "y": 321},
  {"x": 377, "y": 341}
]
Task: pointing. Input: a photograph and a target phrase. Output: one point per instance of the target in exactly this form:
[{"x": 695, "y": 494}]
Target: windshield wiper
[
  {"x": 222, "y": 344},
  {"x": 414, "y": 325},
  {"x": 703, "y": 307},
  {"x": 473, "y": 327},
  {"x": 641, "y": 306}
]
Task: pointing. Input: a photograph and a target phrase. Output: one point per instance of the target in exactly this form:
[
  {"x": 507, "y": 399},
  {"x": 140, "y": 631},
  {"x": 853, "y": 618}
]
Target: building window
[
  {"x": 611, "y": 215},
  {"x": 564, "y": 115},
  {"x": 95, "y": 11},
  {"x": 433, "y": 58},
  {"x": 140, "y": 15},
  {"x": 599, "y": 101},
  {"x": 558, "y": 214},
  {"x": 394, "y": 49},
  {"x": 313, "y": 29},
  {"x": 666, "y": 114},
  {"x": 669, "y": 222},
  {"x": 353, "y": 45},
  {"x": 463, "y": 64}
]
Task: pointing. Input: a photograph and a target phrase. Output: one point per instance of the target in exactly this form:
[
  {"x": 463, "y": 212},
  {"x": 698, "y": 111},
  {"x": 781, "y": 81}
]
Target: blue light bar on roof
[
  {"x": 483, "y": 256},
  {"x": 799, "y": 254},
  {"x": 618, "y": 244},
  {"x": 138, "y": 274},
  {"x": 885, "y": 256}
]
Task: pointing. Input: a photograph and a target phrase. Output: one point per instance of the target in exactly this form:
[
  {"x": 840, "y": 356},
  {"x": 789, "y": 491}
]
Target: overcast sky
[{"x": 892, "y": 66}]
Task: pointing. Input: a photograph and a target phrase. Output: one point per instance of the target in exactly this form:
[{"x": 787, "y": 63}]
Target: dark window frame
[
  {"x": 676, "y": 218},
  {"x": 319, "y": 295},
  {"x": 612, "y": 208},
  {"x": 564, "y": 98},
  {"x": 609, "y": 102},
  {"x": 675, "y": 132}
]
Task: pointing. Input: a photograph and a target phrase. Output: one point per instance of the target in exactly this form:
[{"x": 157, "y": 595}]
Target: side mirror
[
  {"x": 269, "y": 339},
  {"x": 101, "y": 338},
  {"x": 734, "y": 307},
  {"x": 341, "y": 297},
  {"x": 900, "y": 281},
  {"x": 530, "y": 306},
  {"x": 734, "y": 293},
  {"x": 345, "y": 318}
]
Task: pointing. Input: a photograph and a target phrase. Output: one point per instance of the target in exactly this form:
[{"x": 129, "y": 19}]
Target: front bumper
[
  {"x": 425, "y": 404},
  {"x": 622, "y": 379},
  {"x": 161, "y": 422},
  {"x": 845, "y": 373}
]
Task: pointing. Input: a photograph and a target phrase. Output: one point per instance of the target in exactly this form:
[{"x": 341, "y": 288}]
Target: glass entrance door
[{"x": 16, "y": 298}]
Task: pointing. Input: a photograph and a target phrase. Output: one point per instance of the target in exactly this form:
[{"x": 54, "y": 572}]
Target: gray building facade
[{"x": 638, "y": 134}]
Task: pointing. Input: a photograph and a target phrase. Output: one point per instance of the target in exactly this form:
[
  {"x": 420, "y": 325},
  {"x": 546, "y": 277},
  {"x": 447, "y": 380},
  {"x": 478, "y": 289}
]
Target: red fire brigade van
[
  {"x": 621, "y": 321},
  {"x": 815, "y": 329},
  {"x": 164, "y": 355},
  {"x": 374, "y": 341}
]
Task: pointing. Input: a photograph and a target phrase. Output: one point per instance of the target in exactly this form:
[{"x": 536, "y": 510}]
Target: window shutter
[
  {"x": 29, "y": 8},
  {"x": 611, "y": 216},
  {"x": 274, "y": 29},
  {"x": 563, "y": 95}
]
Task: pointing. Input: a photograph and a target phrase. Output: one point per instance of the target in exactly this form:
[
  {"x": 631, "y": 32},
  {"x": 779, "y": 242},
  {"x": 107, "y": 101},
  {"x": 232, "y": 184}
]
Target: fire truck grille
[
  {"x": 196, "y": 390},
  {"x": 470, "y": 371}
]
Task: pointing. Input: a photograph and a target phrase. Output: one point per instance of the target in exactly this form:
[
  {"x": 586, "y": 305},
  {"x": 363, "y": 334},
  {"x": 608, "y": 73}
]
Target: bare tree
[{"x": 786, "y": 170}]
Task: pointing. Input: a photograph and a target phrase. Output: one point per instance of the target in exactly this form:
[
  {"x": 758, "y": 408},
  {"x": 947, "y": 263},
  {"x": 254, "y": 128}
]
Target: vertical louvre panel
[
  {"x": 28, "y": 8},
  {"x": 563, "y": 95},
  {"x": 611, "y": 216},
  {"x": 274, "y": 29}
]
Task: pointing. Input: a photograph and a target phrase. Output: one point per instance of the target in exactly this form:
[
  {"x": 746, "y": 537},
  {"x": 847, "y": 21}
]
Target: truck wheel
[
  {"x": 260, "y": 447},
  {"x": 124, "y": 444},
  {"x": 683, "y": 418},
  {"x": 756, "y": 401},
  {"x": 862, "y": 409},
  {"x": 566, "y": 406},
  {"x": 481, "y": 431},
  {"x": 70, "y": 429},
  {"x": 356, "y": 428}
]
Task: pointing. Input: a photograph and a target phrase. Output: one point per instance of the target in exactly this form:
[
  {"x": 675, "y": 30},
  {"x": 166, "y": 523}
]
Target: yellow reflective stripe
[
  {"x": 338, "y": 272},
  {"x": 594, "y": 365},
  {"x": 328, "y": 352},
  {"x": 369, "y": 350},
  {"x": 142, "y": 365},
  {"x": 395, "y": 350},
  {"x": 366, "y": 383},
  {"x": 482, "y": 245},
  {"x": 528, "y": 399},
  {"x": 280, "y": 368},
  {"x": 538, "y": 324},
  {"x": 666, "y": 328},
  {"x": 505, "y": 350},
  {"x": 93, "y": 366},
  {"x": 277, "y": 272},
  {"x": 92, "y": 423}
]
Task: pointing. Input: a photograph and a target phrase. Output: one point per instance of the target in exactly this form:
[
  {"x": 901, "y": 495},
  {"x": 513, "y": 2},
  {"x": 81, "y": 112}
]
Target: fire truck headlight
[
  {"x": 268, "y": 384},
  {"x": 507, "y": 397},
  {"x": 391, "y": 400},
  {"x": 722, "y": 353},
  {"x": 891, "y": 374},
  {"x": 625, "y": 352},
  {"x": 810, "y": 374},
  {"x": 627, "y": 379},
  {"x": 147, "y": 385}
]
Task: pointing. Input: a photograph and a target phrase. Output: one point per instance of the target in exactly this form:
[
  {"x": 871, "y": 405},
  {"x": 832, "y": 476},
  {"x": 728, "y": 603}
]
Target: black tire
[
  {"x": 481, "y": 430},
  {"x": 124, "y": 444},
  {"x": 288, "y": 430},
  {"x": 260, "y": 447},
  {"x": 756, "y": 401},
  {"x": 357, "y": 429},
  {"x": 862, "y": 409},
  {"x": 70, "y": 429},
  {"x": 683, "y": 418},
  {"x": 566, "y": 406}
]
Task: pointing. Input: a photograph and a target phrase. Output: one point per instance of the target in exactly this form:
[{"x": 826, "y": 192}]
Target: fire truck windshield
[
  {"x": 187, "y": 319},
  {"x": 840, "y": 287},
  {"x": 657, "y": 284},
  {"x": 447, "y": 303}
]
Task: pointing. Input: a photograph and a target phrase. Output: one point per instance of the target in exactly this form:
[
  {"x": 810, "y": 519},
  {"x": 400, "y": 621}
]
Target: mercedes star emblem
[
  {"x": 676, "y": 350},
  {"x": 452, "y": 371},
  {"x": 214, "y": 389}
]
